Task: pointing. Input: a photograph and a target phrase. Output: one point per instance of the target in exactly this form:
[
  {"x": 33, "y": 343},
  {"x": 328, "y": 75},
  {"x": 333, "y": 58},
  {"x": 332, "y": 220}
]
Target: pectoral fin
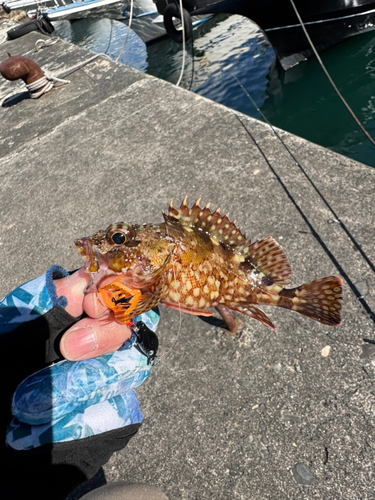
[{"x": 126, "y": 303}]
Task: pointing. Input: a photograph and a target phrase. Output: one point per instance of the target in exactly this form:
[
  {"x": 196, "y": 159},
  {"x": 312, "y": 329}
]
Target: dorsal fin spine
[{"x": 218, "y": 227}]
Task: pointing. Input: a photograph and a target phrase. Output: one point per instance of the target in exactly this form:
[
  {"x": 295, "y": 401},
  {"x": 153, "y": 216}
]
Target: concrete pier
[{"x": 269, "y": 415}]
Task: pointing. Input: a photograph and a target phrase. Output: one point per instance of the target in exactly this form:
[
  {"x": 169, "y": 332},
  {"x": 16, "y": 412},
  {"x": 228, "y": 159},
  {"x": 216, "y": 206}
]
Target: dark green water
[
  {"x": 228, "y": 49},
  {"x": 303, "y": 101}
]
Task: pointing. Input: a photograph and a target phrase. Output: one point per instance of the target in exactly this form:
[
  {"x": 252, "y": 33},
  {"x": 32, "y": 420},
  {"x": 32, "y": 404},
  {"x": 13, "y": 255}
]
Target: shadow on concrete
[{"x": 15, "y": 99}]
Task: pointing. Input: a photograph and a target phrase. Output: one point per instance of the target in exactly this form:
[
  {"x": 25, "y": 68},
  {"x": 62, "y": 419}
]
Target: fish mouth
[
  {"x": 93, "y": 264},
  {"x": 89, "y": 254}
]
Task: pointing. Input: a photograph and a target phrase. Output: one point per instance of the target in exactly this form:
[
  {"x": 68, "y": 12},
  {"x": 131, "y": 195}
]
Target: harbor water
[{"x": 230, "y": 59}]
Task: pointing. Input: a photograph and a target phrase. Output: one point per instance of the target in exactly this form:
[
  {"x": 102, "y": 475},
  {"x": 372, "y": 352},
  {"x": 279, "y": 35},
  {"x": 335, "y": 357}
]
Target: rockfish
[{"x": 197, "y": 259}]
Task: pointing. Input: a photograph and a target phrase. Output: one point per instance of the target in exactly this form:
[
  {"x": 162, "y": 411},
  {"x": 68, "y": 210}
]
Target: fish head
[
  {"x": 109, "y": 252},
  {"x": 133, "y": 251}
]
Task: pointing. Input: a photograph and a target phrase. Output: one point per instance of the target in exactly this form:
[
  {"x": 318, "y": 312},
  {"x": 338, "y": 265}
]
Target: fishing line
[
  {"x": 352, "y": 286},
  {"x": 329, "y": 77},
  {"x": 336, "y": 218},
  {"x": 127, "y": 34}
]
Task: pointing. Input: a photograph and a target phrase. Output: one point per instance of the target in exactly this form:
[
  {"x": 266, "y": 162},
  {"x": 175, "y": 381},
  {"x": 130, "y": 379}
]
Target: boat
[
  {"x": 143, "y": 15},
  {"x": 145, "y": 19},
  {"x": 327, "y": 22},
  {"x": 56, "y": 10},
  {"x": 32, "y": 8},
  {"x": 81, "y": 9}
]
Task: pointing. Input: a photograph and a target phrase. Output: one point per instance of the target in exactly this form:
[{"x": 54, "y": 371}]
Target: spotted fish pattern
[{"x": 198, "y": 259}]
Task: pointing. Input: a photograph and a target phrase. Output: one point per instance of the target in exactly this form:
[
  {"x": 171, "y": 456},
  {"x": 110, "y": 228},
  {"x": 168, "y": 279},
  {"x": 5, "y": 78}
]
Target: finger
[
  {"x": 93, "y": 306},
  {"x": 90, "y": 337},
  {"x": 72, "y": 287}
]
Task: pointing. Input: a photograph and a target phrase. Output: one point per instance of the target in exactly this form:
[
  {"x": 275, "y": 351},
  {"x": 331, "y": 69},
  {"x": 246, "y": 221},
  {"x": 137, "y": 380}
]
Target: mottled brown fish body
[{"x": 198, "y": 259}]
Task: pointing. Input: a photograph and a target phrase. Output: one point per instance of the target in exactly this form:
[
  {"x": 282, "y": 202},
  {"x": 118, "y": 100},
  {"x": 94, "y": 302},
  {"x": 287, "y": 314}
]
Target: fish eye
[
  {"x": 118, "y": 238},
  {"x": 119, "y": 234}
]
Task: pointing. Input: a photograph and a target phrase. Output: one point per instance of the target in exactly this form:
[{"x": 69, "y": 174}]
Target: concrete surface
[{"x": 268, "y": 415}]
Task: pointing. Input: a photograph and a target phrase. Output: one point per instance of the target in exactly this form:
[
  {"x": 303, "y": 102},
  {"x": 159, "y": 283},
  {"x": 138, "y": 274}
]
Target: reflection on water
[
  {"x": 107, "y": 36},
  {"x": 300, "y": 100}
]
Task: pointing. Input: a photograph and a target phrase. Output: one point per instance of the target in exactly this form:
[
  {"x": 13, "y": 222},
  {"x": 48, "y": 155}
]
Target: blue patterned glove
[
  {"x": 31, "y": 300},
  {"x": 75, "y": 400},
  {"x": 71, "y": 400}
]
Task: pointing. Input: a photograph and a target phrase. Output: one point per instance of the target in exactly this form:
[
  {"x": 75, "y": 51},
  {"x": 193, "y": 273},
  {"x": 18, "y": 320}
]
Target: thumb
[
  {"x": 72, "y": 287},
  {"x": 91, "y": 337}
]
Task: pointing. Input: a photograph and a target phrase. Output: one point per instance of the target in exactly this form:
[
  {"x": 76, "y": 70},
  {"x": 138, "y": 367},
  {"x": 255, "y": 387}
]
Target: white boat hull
[
  {"x": 81, "y": 10},
  {"x": 145, "y": 20}
]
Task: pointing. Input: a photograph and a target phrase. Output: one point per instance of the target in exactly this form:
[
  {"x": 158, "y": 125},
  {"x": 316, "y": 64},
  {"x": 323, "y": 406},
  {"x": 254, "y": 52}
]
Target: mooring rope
[
  {"x": 80, "y": 65},
  {"x": 45, "y": 84},
  {"x": 192, "y": 61},
  {"x": 183, "y": 44},
  {"x": 110, "y": 37},
  {"x": 127, "y": 33},
  {"x": 40, "y": 44}
]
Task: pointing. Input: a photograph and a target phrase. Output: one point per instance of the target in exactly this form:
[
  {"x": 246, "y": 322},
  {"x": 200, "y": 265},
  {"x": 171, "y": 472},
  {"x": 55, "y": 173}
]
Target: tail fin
[{"x": 320, "y": 300}]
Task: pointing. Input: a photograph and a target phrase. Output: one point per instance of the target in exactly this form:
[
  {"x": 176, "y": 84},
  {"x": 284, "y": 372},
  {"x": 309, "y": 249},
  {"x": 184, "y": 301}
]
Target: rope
[
  {"x": 11, "y": 23},
  {"x": 110, "y": 37},
  {"x": 183, "y": 44},
  {"x": 45, "y": 83},
  {"x": 72, "y": 69},
  {"x": 330, "y": 79},
  {"x": 40, "y": 44},
  {"x": 192, "y": 60},
  {"x": 127, "y": 34},
  {"x": 3, "y": 39},
  {"x": 38, "y": 84}
]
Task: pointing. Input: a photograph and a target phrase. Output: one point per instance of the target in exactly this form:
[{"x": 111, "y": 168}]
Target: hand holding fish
[
  {"x": 94, "y": 335},
  {"x": 75, "y": 414}
]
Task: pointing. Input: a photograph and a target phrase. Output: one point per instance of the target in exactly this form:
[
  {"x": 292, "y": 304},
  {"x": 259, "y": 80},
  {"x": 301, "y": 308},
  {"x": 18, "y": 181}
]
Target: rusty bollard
[{"x": 24, "y": 68}]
